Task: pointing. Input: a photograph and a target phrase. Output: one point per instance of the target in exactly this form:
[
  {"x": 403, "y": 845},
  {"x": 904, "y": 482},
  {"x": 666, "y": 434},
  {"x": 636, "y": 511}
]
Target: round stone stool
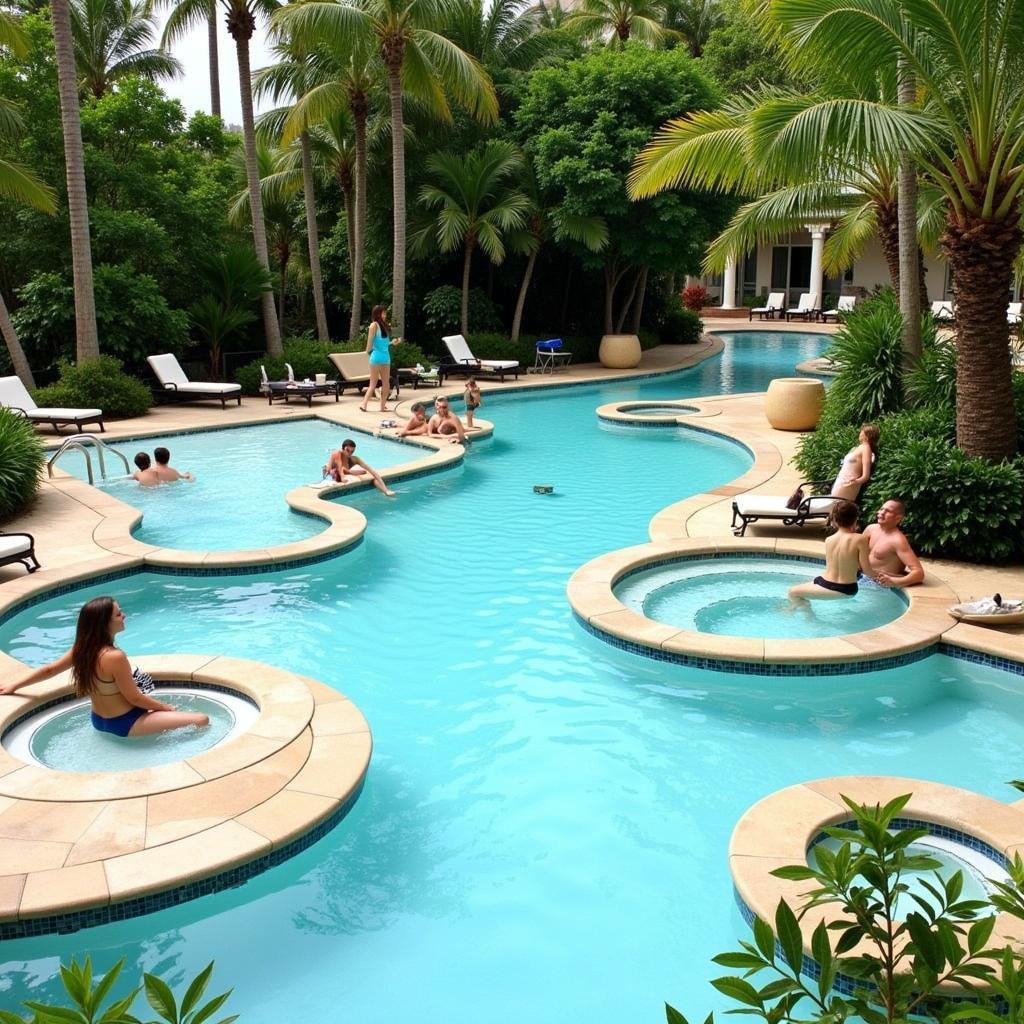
[{"x": 794, "y": 403}]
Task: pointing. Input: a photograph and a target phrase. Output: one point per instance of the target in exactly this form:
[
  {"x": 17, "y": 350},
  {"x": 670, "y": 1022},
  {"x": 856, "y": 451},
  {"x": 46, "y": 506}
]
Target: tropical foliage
[{"x": 21, "y": 460}]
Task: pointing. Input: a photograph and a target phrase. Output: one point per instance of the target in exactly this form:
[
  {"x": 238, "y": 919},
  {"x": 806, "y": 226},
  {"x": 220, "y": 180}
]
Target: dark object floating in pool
[{"x": 543, "y": 488}]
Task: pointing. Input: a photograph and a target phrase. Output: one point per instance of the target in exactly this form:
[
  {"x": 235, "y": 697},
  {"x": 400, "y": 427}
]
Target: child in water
[{"x": 472, "y": 400}]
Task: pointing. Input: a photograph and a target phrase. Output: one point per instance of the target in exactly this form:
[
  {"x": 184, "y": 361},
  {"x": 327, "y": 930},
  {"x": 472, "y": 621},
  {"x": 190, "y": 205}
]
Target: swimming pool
[
  {"x": 544, "y": 828},
  {"x": 242, "y": 476}
]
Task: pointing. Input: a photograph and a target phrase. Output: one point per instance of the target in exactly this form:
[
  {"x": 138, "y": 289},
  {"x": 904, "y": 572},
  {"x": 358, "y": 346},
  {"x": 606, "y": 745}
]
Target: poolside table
[{"x": 300, "y": 389}]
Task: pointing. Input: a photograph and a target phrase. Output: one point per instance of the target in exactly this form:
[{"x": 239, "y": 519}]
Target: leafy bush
[
  {"x": 442, "y": 311},
  {"x": 97, "y": 384},
  {"x": 21, "y": 459},
  {"x": 933, "y": 380},
  {"x": 695, "y": 297},
  {"x": 679, "y": 325}
]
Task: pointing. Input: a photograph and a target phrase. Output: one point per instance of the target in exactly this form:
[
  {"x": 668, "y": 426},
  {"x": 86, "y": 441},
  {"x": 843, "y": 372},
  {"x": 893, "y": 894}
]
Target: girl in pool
[
  {"x": 855, "y": 470},
  {"x": 378, "y": 348},
  {"x": 101, "y": 672}
]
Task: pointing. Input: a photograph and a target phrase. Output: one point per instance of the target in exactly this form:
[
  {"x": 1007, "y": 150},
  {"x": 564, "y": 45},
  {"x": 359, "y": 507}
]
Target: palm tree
[
  {"x": 87, "y": 343},
  {"x": 545, "y": 219},
  {"x": 241, "y": 18},
  {"x": 694, "y": 21},
  {"x": 111, "y": 38},
  {"x": 418, "y": 60},
  {"x": 618, "y": 21},
  {"x": 966, "y": 135},
  {"x": 213, "y": 54},
  {"x": 476, "y": 205}
]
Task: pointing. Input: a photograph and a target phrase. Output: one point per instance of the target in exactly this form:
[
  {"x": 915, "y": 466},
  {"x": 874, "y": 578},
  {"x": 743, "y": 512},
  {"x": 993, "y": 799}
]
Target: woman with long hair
[
  {"x": 378, "y": 348},
  {"x": 856, "y": 468},
  {"x": 100, "y": 671}
]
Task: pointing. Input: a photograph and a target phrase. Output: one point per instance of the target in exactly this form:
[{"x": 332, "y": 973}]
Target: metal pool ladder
[{"x": 78, "y": 443}]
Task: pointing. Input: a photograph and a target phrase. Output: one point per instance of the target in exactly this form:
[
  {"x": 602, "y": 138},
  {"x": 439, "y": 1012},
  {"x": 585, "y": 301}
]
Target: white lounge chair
[
  {"x": 942, "y": 311},
  {"x": 174, "y": 382},
  {"x": 814, "y": 507},
  {"x": 806, "y": 308},
  {"x": 1014, "y": 314},
  {"x": 463, "y": 363},
  {"x": 15, "y": 396},
  {"x": 18, "y": 547},
  {"x": 774, "y": 304},
  {"x": 846, "y": 304}
]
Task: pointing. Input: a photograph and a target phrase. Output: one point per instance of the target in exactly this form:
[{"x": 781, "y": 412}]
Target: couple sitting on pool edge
[
  {"x": 163, "y": 472},
  {"x": 444, "y": 423},
  {"x": 882, "y": 553}
]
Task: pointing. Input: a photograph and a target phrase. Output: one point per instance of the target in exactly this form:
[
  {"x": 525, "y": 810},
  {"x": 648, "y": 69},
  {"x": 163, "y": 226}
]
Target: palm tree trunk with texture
[
  {"x": 466, "y": 263},
  {"x": 359, "y": 119},
  {"x": 259, "y": 230},
  {"x": 524, "y": 287},
  {"x": 909, "y": 257},
  {"x": 981, "y": 255},
  {"x": 86, "y": 335},
  {"x": 313, "y": 236},
  {"x": 14, "y": 349},
  {"x": 211, "y": 34},
  {"x": 394, "y": 66}
]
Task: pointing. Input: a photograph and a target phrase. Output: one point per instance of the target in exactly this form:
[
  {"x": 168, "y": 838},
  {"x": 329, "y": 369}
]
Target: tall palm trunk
[
  {"x": 345, "y": 180},
  {"x": 242, "y": 29},
  {"x": 524, "y": 287},
  {"x": 909, "y": 250},
  {"x": 466, "y": 263},
  {"x": 314, "y": 240},
  {"x": 211, "y": 34},
  {"x": 393, "y": 61},
  {"x": 981, "y": 255},
  {"x": 86, "y": 335},
  {"x": 889, "y": 240},
  {"x": 14, "y": 349},
  {"x": 358, "y": 104},
  {"x": 638, "y": 302}
]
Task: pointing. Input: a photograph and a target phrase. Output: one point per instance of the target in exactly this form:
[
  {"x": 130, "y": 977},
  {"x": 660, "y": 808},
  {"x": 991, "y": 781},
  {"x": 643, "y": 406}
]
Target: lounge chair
[
  {"x": 14, "y": 396},
  {"x": 776, "y": 300},
  {"x": 353, "y": 369},
  {"x": 265, "y": 380},
  {"x": 174, "y": 383},
  {"x": 846, "y": 304},
  {"x": 18, "y": 547},
  {"x": 1014, "y": 315},
  {"x": 462, "y": 363},
  {"x": 942, "y": 311},
  {"x": 752, "y": 508},
  {"x": 805, "y": 309}
]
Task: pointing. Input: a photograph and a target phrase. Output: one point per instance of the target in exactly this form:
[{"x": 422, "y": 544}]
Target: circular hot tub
[
  {"x": 60, "y": 736},
  {"x": 747, "y": 597},
  {"x": 655, "y": 409}
]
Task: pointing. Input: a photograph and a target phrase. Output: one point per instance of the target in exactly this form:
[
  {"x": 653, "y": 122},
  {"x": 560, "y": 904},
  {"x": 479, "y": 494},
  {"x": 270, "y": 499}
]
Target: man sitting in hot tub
[{"x": 846, "y": 553}]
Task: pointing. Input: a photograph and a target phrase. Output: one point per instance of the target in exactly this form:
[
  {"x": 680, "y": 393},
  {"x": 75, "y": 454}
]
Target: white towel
[{"x": 988, "y": 606}]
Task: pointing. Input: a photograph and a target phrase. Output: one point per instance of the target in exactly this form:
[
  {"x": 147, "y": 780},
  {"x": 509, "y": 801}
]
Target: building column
[
  {"x": 817, "y": 263},
  {"x": 729, "y": 286}
]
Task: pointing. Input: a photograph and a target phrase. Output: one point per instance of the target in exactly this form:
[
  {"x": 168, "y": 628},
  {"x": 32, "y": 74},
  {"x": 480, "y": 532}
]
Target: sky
[{"x": 193, "y": 87}]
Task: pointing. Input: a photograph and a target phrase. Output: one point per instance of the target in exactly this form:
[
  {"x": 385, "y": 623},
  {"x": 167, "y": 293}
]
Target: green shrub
[
  {"x": 21, "y": 459},
  {"x": 97, "y": 384},
  {"x": 933, "y": 380},
  {"x": 679, "y": 325},
  {"x": 442, "y": 311}
]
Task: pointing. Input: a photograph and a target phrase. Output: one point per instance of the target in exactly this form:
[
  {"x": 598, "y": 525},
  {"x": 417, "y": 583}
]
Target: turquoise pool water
[
  {"x": 242, "y": 477},
  {"x": 545, "y": 824},
  {"x": 747, "y": 597}
]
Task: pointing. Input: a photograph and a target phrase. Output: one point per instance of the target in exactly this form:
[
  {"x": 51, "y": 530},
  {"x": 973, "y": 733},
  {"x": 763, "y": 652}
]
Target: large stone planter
[
  {"x": 794, "y": 403},
  {"x": 620, "y": 351}
]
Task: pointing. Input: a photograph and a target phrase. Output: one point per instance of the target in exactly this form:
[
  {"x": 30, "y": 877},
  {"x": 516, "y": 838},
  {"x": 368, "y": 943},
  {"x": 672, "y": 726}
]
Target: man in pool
[
  {"x": 417, "y": 421},
  {"x": 145, "y": 474},
  {"x": 846, "y": 552},
  {"x": 344, "y": 466},
  {"x": 444, "y": 423},
  {"x": 892, "y": 559},
  {"x": 164, "y": 470}
]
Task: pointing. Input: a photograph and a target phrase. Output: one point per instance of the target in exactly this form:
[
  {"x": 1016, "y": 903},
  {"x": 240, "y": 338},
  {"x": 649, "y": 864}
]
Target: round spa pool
[
  {"x": 735, "y": 596},
  {"x": 61, "y": 736},
  {"x": 655, "y": 409}
]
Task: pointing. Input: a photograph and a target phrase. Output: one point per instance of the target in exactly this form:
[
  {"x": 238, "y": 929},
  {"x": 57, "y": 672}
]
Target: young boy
[
  {"x": 345, "y": 463},
  {"x": 417, "y": 421},
  {"x": 471, "y": 397},
  {"x": 145, "y": 474}
]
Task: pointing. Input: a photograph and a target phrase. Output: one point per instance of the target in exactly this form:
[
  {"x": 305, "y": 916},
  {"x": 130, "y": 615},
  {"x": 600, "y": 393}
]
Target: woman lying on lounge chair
[{"x": 855, "y": 469}]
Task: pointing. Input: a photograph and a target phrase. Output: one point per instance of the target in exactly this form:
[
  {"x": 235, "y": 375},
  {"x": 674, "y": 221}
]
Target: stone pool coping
[
  {"x": 779, "y": 829},
  {"x": 79, "y": 849}
]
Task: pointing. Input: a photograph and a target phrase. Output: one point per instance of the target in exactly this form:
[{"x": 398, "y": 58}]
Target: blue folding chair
[{"x": 550, "y": 356}]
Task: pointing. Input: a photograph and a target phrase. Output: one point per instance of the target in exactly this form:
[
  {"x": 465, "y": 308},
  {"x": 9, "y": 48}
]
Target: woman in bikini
[
  {"x": 100, "y": 671},
  {"x": 855, "y": 470},
  {"x": 846, "y": 554},
  {"x": 378, "y": 348}
]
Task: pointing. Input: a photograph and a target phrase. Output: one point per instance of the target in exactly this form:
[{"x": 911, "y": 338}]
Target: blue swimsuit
[
  {"x": 119, "y": 725},
  {"x": 381, "y": 354}
]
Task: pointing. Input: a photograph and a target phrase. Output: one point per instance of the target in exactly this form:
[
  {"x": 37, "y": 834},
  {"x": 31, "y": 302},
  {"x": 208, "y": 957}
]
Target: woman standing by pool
[
  {"x": 378, "y": 347},
  {"x": 100, "y": 671},
  {"x": 856, "y": 467}
]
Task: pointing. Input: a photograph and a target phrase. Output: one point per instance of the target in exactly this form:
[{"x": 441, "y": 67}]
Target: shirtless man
[
  {"x": 145, "y": 473},
  {"x": 892, "y": 559},
  {"x": 444, "y": 423},
  {"x": 417, "y": 421},
  {"x": 344, "y": 463},
  {"x": 165, "y": 472},
  {"x": 846, "y": 552}
]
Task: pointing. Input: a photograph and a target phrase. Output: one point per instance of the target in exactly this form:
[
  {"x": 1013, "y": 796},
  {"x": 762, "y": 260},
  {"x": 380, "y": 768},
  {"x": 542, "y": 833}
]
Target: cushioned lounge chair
[
  {"x": 14, "y": 396},
  {"x": 846, "y": 304},
  {"x": 805, "y": 309},
  {"x": 18, "y": 547},
  {"x": 774, "y": 304},
  {"x": 1014, "y": 314},
  {"x": 942, "y": 311},
  {"x": 353, "y": 369},
  {"x": 175, "y": 384},
  {"x": 462, "y": 363},
  {"x": 753, "y": 508}
]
